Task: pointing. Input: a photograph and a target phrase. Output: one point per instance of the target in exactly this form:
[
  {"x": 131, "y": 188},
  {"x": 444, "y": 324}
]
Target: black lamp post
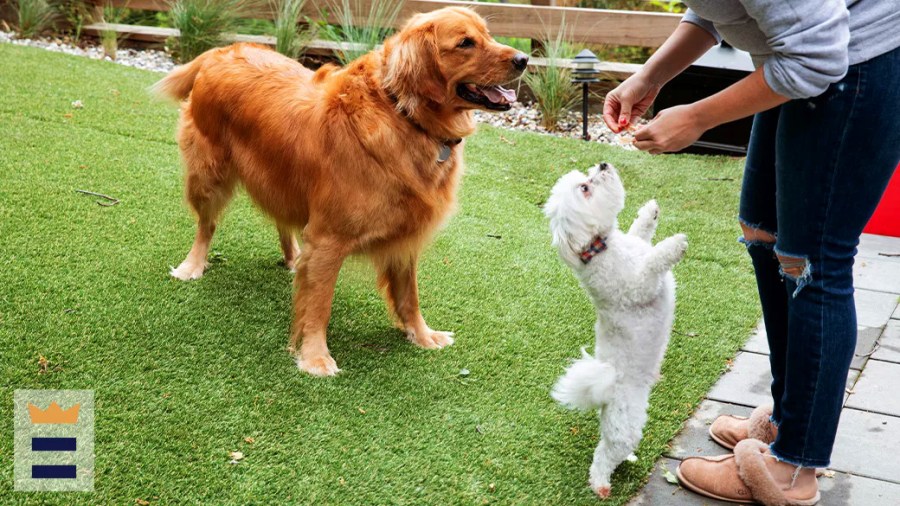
[{"x": 585, "y": 73}]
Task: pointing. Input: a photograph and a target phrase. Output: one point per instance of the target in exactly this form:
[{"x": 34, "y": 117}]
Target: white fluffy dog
[{"x": 631, "y": 285}]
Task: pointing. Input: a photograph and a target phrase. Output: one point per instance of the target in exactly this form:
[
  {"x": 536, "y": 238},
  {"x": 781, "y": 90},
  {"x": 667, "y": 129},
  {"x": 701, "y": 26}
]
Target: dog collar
[
  {"x": 447, "y": 149},
  {"x": 597, "y": 246},
  {"x": 446, "y": 144}
]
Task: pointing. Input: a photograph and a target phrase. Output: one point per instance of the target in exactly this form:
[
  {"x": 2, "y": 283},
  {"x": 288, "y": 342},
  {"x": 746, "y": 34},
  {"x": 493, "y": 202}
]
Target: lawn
[{"x": 184, "y": 372}]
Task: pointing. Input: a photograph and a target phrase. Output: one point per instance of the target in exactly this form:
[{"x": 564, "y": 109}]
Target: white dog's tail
[{"x": 587, "y": 384}]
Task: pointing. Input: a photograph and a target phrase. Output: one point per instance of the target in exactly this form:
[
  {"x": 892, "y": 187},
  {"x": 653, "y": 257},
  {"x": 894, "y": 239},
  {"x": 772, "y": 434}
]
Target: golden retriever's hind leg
[
  {"x": 289, "y": 247},
  {"x": 208, "y": 188},
  {"x": 317, "y": 273},
  {"x": 398, "y": 279}
]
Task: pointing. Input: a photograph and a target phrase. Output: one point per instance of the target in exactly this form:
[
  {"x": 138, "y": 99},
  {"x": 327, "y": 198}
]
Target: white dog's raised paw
[{"x": 650, "y": 210}]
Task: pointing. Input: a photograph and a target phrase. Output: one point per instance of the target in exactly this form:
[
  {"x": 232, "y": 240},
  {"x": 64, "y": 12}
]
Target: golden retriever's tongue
[{"x": 499, "y": 94}]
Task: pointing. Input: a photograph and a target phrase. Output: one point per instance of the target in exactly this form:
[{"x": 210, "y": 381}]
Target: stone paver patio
[{"x": 865, "y": 465}]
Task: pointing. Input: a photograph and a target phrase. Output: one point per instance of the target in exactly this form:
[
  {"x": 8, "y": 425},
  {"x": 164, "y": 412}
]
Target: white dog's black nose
[{"x": 604, "y": 166}]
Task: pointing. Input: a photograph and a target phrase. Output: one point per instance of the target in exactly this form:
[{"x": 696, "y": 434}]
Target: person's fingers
[
  {"x": 645, "y": 145},
  {"x": 611, "y": 112},
  {"x": 644, "y": 133},
  {"x": 625, "y": 111}
]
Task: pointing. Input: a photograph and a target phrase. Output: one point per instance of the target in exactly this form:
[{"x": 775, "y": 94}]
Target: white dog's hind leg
[
  {"x": 621, "y": 426},
  {"x": 587, "y": 384},
  {"x": 644, "y": 226}
]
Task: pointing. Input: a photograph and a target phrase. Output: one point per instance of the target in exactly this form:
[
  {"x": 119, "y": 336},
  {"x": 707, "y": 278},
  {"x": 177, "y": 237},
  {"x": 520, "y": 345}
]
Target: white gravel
[{"x": 521, "y": 117}]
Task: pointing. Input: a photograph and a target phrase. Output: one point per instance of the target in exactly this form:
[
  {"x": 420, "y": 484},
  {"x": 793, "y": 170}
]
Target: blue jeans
[{"x": 815, "y": 171}]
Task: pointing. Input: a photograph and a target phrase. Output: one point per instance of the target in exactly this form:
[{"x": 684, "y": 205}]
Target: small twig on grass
[
  {"x": 889, "y": 254},
  {"x": 112, "y": 200},
  {"x": 495, "y": 236},
  {"x": 719, "y": 178}
]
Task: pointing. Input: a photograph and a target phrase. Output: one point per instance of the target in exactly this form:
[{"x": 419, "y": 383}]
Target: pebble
[{"x": 523, "y": 117}]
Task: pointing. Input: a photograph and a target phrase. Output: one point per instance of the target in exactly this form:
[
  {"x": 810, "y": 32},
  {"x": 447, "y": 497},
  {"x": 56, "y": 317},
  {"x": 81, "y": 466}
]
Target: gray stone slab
[
  {"x": 877, "y": 274},
  {"x": 844, "y": 489},
  {"x": 896, "y": 314},
  {"x": 659, "y": 492},
  {"x": 865, "y": 342},
  {"x": 876, "y": 390},
  {"x": 694, "y": 440},
  {"x": 867, "y": 444},
  {"x": 758, "y": 342},
  {"x": 871, "y": 245},
  {"x": 874, "y": 309},
  {"x": 748, "y": 382},
  {"x": 889, "y": 344}
]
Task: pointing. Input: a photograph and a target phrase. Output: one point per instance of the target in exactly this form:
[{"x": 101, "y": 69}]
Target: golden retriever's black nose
[{"x": 520, "y": 61}]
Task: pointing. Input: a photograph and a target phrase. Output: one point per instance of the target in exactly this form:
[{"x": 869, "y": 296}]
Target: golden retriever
[{"x": 362, "y": 159}]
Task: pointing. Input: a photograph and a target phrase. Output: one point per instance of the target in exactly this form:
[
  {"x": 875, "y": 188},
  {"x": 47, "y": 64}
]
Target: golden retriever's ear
[{"x": 413, "y": 71}]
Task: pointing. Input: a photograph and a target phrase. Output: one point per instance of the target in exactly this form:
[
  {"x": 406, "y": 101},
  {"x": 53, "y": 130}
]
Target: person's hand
[
  {"x": 631, "y": 99},
  {"x": 673, "y": 129}
]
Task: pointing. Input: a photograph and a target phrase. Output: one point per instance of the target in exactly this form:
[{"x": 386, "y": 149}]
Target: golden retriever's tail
[{"x": 178, "y": 84}]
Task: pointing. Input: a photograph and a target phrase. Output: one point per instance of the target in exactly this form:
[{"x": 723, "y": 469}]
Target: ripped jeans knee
[{"x": 793, "y": 267}]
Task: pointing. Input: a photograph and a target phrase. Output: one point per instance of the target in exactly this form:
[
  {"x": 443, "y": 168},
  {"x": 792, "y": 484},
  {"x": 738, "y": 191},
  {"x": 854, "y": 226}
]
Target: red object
[{"x": 886, "y": 220}]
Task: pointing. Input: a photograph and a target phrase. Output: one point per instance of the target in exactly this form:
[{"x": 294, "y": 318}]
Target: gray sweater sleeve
[
  {"x": 692, "y": 18},
  {"x": 809, "y": 39}
]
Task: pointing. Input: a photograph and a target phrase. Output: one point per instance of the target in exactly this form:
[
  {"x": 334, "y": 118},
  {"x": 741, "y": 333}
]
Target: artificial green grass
[{"x": 184, "y": 372}]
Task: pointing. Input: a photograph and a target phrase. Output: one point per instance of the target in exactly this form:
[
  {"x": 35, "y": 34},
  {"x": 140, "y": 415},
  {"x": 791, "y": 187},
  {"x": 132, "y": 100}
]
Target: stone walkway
[{"x": 865, "y": 465}]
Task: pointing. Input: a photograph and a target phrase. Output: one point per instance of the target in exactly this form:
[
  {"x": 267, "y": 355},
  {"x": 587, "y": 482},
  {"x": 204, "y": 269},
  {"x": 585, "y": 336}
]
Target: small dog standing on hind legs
[{"x": 631, "y": 285}]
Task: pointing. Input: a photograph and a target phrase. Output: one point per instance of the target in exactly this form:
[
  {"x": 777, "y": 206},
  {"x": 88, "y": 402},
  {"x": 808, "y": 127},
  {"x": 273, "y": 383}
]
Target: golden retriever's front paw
[
  {"x": 319, "y": 366},
  {"x": 188, "y": 270},
  {"x": 430, "y": 339}
]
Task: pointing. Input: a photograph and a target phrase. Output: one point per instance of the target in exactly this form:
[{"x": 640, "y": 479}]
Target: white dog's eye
[{"x": 585, "y": 189}]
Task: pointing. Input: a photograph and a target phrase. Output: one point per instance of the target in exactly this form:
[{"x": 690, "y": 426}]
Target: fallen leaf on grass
[
  {"x": 671, "y": 478},
  {"x": 249, "y": 440},
  {"x": 491, "y": 487},
  {"x": 828, "y": 473},
  {"x": 235, "y": 457},
  {"x": 361, "y": 410},
  {"x": 464, "y": 372},
  {"x": 141, "y": 502},
  {"x": 43, "y": 364}
]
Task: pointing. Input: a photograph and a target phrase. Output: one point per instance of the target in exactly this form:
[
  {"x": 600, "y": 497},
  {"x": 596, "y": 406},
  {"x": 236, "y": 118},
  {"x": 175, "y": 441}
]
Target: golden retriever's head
[{"x": 448, "y": 57}]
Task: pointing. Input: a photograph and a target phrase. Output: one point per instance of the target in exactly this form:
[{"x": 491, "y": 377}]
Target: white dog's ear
[{"x": 413, "y": 70}]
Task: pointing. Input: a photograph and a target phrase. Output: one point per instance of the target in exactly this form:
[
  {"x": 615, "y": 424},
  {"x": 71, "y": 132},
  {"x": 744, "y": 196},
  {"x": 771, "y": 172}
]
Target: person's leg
[
  {"x": 835, "y": 155},
  {"x": 759, "y": 224}
]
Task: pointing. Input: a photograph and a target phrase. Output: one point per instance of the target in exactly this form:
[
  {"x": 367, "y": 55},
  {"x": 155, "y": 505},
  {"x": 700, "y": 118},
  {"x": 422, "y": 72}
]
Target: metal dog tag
[{"x": 444, "y": 154}]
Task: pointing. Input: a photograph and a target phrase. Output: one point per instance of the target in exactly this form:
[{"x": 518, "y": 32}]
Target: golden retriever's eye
[{"x": 465, "y": 43}]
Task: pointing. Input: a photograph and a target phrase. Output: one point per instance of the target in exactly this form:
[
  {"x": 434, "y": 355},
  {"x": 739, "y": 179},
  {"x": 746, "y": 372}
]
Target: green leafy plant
[
  {"x": 32, "y": 17},
  {"x": 551, "y": 84},
  {"x": 290, "y": 38},
  {"x": 202, "y": 24},
  {"x": 73, "y": 14},
  {"x": 109, "y": 39},
  {"x": 360, "y": 36}
]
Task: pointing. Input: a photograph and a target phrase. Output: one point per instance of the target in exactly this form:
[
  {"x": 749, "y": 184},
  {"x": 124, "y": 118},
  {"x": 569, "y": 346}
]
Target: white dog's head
[{"x": 582, "y": 207}]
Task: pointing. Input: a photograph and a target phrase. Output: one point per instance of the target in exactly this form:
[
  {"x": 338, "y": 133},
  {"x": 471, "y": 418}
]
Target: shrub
[
  {"x": 109, "y": 39},
  {"x": 290, "y": 39},
  {"x": 73, "y": 13},
  {"x": 551, "y": 84},
  {"x": 362, "y": 36},
  {"x": 202, "y": 24},
  {"x": 32, "y": 16}
]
